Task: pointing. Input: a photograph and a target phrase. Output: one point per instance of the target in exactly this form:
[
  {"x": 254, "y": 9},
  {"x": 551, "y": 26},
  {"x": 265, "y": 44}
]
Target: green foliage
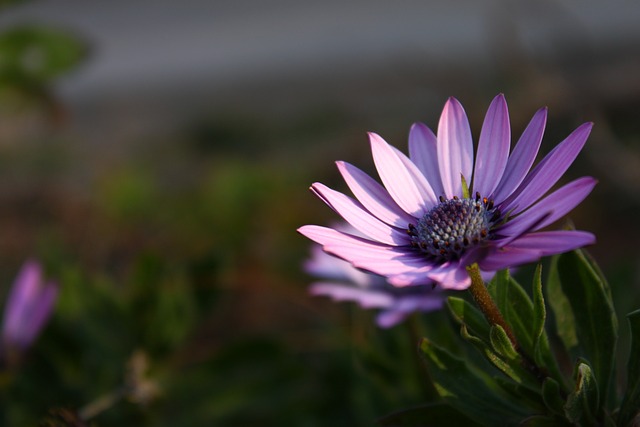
[
  {"x": 530, "y": 389},
  {"x": 469, "y": 391},
  {"x": 584, "y": 399},
  {"x": 596, "y": 328},
  {"x": 38, "y": 54},
  {"x": 630, "y": 408}
]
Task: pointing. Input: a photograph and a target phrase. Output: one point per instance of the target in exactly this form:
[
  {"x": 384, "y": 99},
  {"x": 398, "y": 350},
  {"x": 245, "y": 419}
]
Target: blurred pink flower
[
  {"x": 27, "y": 309},
  {"x": 346, "y": 283}
]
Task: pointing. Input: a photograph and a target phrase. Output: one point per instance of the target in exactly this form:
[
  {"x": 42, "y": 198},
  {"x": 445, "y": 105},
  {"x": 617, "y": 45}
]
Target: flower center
[{"x": 453, "y": 226}]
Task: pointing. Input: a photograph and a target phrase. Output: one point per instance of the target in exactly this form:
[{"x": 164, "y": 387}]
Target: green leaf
[
  {"x": 552, "y": 397},
  {"x": 39, "y": 53},
  {"x": 502, "y": 344},
  {"x": 516, "y": 308},
  {"x": 472, "y": 393},
  {"x": 513, "y": 372},
  {"x": 589, "y": 299},
  {"x": 583, "y": 402},
  {"x": 430, "y": 415},
  {"x": 631, "y": 401},
  {"x": 539, "y": 310},
  {"x": 475, "y": 329},
  {"x": 466, "y": 314},
  {"x": 542, "y": 353},
  {"x": 565, "y": 321}
]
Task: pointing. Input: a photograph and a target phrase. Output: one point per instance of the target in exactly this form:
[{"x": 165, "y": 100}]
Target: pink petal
[
  {"x": 563, "y": 200},
  {"x": 362, "y": 253},
  {"x": 493, "y": 147},
  {"x": 366, "y": 298},
  {"x": 548, "y": 171},
  {"x": 454, "y": 276},
  {"x": 455, "y": 148},
  {"x": 373, "y": 196},
  {"x": 520, "y": 225},
  {"x": 522, "y": 156},
  {"x": 507, "y": 257},
  {"x": 428, "y": 195},
  {"x": 397, "y": 179},
  {"x": 423, "y": 151},
  {"x": 359, "y": 218},
  {"x": 554, "y": 242}
]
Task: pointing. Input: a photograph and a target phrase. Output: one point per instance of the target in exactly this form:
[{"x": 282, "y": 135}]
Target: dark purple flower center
[{"x": 453, "y": 226}]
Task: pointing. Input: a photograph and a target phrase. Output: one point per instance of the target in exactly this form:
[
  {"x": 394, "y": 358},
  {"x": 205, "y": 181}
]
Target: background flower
[
  {"x": 346, "y": 283},
  {"x": 27, "y": 309},
  {"x": 423, "y": 227}
]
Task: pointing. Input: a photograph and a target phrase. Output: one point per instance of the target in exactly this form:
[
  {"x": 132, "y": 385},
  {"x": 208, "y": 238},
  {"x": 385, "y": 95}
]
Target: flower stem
[
  {"x": 485, "y": 303},
  {"x": 491, "y": 312}
]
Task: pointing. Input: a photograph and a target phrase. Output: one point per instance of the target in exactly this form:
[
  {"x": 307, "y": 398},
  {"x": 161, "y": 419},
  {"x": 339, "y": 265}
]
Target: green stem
[
  {"x": 491, "y": 312},
  {"x": 484, "y": 301}
]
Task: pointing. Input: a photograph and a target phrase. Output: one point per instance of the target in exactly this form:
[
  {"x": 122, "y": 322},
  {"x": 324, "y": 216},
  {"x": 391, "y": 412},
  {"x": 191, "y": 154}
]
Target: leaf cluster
[{"x": 533, "y": 383}]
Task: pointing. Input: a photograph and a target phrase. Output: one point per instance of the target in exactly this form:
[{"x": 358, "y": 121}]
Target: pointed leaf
[
  {"x": 542, "y": 353},
  {"x": 582, "y": 404},
  {"x": 501, "y": 343},
  {"x": 510, "y": 368},
  {"x": 469, "y": 391},
  {"x": 630, "y": 408},
  {"x": 466, "y": 314},
  {"x": 516, "y": 308},
  {"x": 539, "y": 310},
  {"x": 565, "y": 321},
  {"x": 596, "y": 326}
]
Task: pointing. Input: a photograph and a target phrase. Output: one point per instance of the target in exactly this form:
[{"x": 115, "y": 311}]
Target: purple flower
[
  {"x": 422, "y": 228},
  {"x": 346, "y": 283},
  {"x": 27, "y": 309}
]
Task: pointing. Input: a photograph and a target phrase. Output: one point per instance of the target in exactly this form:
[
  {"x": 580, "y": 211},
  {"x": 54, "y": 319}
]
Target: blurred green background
[{"x": 156, "y": 158}]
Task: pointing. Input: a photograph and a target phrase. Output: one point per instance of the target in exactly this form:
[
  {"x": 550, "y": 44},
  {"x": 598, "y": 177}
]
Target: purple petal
[
  {"x": 396, "y": 178},
  {"x": 362, "y": 253},
  {"x": 554, "y": 242},
  {"x": 428, "y": 195},
  {"x": 389, "y": 318},
  {"x": 507, "y": 257},
  {"x": 359, "y": 218},
  {"x": 423, "y": 151},
  {"x": 493, "y": 147},
  {"x": 453, "y": 277},
  {"x": 520, "y": 225},
  {"x": 28, "y": 306},
  {"x": 327, "y": 266},
  {"x": 450, "y": 275},
  {"x": 366, "y": 298},
  {"x": 373, "y": 196},
  {"x": 455, "y": 148},
  {"x": 522, "y": 156},
  {"x": 547, "y": 173},
  {"x": 564, "y": 200},
  {"x": 406, "y": 305},
  {"x": 414, "y": 277},
  {"x": 40, "y": 313},
  {"x": 24, "y": 291}
]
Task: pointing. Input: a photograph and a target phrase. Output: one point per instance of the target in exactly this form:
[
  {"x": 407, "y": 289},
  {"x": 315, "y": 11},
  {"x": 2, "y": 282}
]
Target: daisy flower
[
  {"x": 343, "y": 282},
  {"x": 423, "y": 225}
]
